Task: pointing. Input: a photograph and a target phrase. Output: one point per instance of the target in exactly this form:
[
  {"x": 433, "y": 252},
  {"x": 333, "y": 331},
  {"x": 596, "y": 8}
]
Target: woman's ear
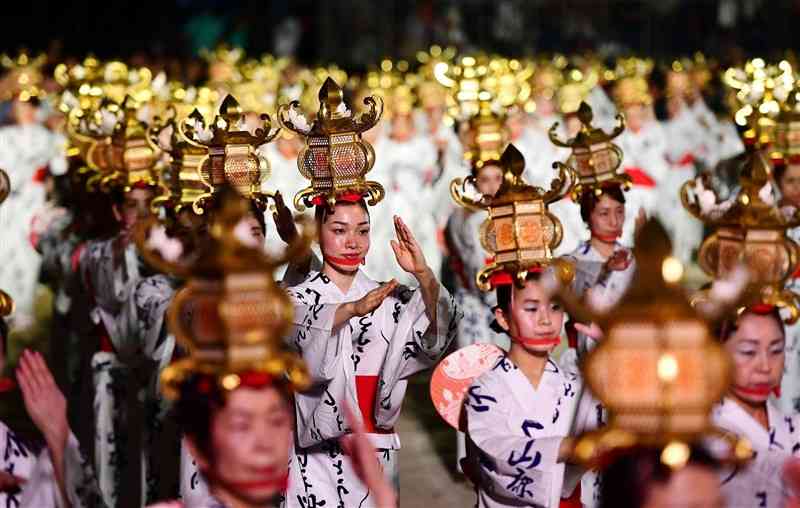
[{"x": 500, "y": 316}]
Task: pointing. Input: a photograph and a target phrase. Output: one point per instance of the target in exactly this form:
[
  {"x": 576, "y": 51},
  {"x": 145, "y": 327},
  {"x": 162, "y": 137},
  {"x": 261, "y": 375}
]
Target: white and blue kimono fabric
[{"x": 390, "y": 344}]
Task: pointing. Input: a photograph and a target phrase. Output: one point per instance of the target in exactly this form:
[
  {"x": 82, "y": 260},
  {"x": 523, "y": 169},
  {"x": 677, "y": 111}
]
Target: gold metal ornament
[
  {"x": 520, "y": 233},
  {"x": 659, "y": 370},
  {"x": 231, "y": 142},
  {"x": 335, "y": 158},
  {"x": 750, "y": 229},
  {"x": 594, "y": 155},
  {"x": 231, "y": 315}
]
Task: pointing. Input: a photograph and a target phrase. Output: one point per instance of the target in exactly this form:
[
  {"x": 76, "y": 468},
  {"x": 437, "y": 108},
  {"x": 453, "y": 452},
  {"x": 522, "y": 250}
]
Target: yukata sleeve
[
  {"x": 313, "y": 337},
  {"x": 513, "y": 467},
  {"x": 415, "y": 343},
  {"x": 42, "y": 491}
]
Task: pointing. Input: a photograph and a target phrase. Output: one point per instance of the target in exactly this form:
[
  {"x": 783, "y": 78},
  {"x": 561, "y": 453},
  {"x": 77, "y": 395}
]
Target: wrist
[
  {"x": 425, "y": 277},
  {"x": 56, "y": 437}
]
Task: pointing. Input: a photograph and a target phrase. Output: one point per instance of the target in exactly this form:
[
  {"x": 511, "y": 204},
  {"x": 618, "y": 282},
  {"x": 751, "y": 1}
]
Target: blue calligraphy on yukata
[
  {"x": 477, "y": 401},
  {"x": 519, "y": 485}
]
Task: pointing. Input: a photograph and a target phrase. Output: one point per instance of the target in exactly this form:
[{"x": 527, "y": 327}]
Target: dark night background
[{"x": 355, "y": 33}]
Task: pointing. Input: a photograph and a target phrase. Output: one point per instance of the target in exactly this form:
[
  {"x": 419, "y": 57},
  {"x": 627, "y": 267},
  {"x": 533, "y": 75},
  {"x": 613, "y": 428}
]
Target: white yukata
[
  {"x": 363, "y": 364},
  {"x": 517, "y": 430},
  {"x": 112, "y": 288},
  {"x": 759, "y": 483},
  {"x": 588, "y": 265},
  {"x": 17, "y": 459},
  {"x": 685, "y": 138},
  {"x": 24, "y": 149},
  {"x": 644, "y": 160}
]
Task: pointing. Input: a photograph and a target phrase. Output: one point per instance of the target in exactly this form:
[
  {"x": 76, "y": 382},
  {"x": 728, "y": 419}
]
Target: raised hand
[
  {"x": 284, "y": 220},
  {"x": 620, "y": 260},
  {"x": 363, "y": 305},
  {"x": 373, "y": 299},
  {"x": 407, "y": 251},
  {"x": 44, "y": 402}
]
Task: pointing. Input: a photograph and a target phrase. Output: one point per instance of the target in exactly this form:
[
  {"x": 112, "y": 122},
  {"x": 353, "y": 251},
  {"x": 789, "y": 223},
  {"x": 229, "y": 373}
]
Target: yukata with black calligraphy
[
  {"x": 517, "y": 430},
  {"x": 759, "y": 483},
  {"x": 17, "y": 459},
  {"x": 364, "y": 364}
]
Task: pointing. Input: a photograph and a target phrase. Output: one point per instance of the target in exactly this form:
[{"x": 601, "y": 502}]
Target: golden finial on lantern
[
  {"x": 231, "y": 139},
  {"x": 335, "y": 158}
]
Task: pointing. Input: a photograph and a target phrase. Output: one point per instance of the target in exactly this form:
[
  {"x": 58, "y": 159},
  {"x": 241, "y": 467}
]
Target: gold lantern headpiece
[
  {"x": 787, "y": 130},
  {"x": 595, "y": 157},
  {"x": 116, "y": 145},
  {"x": 760, "y": 90},
  {"x": 750, "y": 229},
  {"x": 224, "y": 66},
  {"x": 231, "y": 315},
  {"x": 335, "y": 158},
  {"x": 520, "y": 233},
  {"x": 575, "y": 87},
  {"x": 485, "y": 137},
  {"x": 631, "y": 82},
  {"x": 231, "y": 140},
  {"x": 180, "y": 178},
  {"x": 659, "y": 370},
  {"x": 23, "y": 76},
  {"x": 465, "y": 79},
  {"x": 433, "y": 94}
]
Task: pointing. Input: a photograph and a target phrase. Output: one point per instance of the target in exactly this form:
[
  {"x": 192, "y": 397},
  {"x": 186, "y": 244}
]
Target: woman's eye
[
  {"x": 338, "y": 231},
  {"x": 747, "y": 353},
  {"x": 364, "y": 232},
  {"x": 555, "y": 306},
  {"x": 532, "y": 309}
]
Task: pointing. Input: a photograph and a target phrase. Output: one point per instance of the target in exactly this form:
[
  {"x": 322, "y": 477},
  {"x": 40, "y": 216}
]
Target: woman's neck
[
  {"x": 343, "y": 280},
  {"x": 230, "y": 500},
  {"x": 757, "y": 411},
  {"x": 531, "y": 364},
  {"x": 605, "y": 249}
]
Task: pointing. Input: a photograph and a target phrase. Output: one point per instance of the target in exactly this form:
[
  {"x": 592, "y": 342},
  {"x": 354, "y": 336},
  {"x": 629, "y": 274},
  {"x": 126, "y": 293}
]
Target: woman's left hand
[{"x": 407, "y": 251}]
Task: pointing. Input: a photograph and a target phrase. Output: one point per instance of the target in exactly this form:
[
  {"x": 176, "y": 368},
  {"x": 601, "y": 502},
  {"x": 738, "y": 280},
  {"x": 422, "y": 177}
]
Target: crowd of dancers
[{"x": 596, "y": 259}]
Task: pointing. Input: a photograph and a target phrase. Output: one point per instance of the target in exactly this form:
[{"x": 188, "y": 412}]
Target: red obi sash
[
  {"x": 640, "y": 177},
  {"x": 367, "y": 393},
  {"x": 573, "y": 501}
]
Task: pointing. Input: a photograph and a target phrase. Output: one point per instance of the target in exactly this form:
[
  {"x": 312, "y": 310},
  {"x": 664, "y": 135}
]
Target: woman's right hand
[
  {"x": 373, "y": 299},
  {"x": 364, "y": 305},
  {"x": 619, "y": 261}
]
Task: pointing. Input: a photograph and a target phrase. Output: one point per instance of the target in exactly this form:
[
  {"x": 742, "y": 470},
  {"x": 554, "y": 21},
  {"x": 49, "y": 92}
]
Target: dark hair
[
  {"x": 628, "y": 480},
  {"x": 200, "y": 398},
  {"x": 322, "y": 212},
  {"x": 589, "y": 199},
  {"x": 258, "y": 213},
  {"x": 726, "y": 328}
]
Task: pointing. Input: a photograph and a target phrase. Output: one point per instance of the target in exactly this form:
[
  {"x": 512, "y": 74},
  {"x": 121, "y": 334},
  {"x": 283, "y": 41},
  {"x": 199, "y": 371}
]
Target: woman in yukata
[
  {"x": 787, "y": 175},
  {"x": 756, "y": 342},
  {"x": 519, "y": 413},
  {"x": 603, "y": 267},
  {"x": 361, "y": 341}
]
